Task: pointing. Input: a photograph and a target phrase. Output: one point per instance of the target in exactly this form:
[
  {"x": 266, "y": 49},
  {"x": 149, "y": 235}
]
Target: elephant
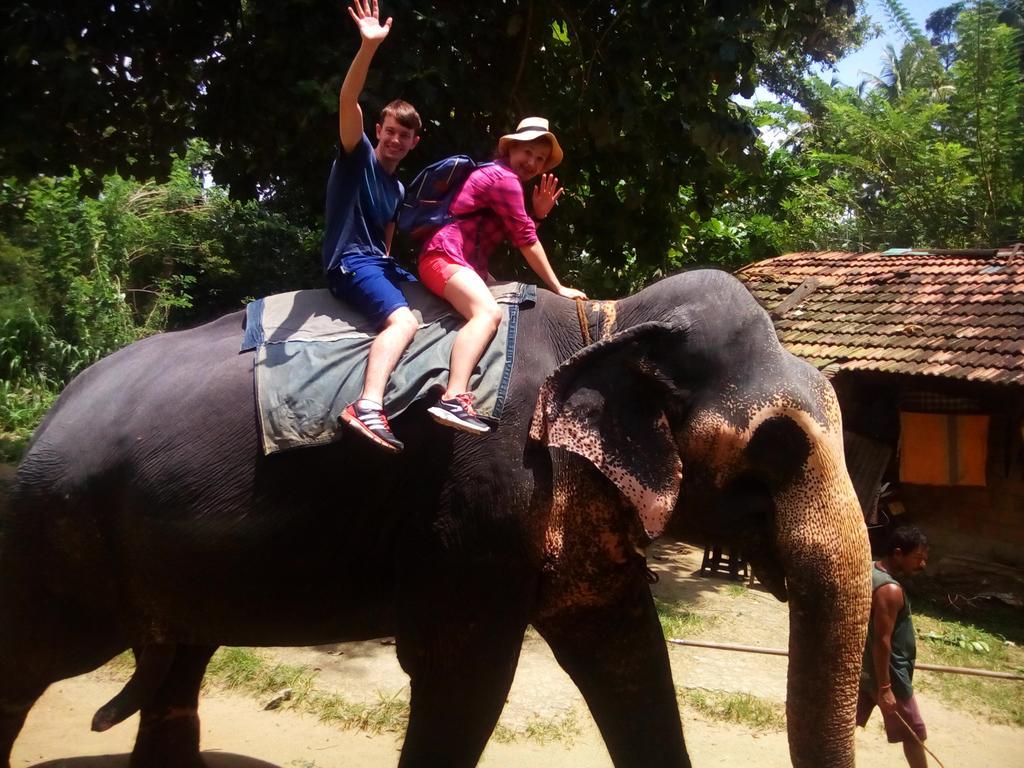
[{"x": 144, "y": 515}]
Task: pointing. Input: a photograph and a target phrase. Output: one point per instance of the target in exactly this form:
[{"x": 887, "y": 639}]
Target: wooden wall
[{"x": 980, "y": 521}]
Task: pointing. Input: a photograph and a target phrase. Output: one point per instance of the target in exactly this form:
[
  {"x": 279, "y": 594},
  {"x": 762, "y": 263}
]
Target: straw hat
[{"x": 531, "y": 128}]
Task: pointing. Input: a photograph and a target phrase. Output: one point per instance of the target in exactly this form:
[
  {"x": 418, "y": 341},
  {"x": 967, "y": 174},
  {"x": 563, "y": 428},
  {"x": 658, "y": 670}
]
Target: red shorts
[
  {"x": 895, "y": 730},
  {"x": 436, "y": 269}
]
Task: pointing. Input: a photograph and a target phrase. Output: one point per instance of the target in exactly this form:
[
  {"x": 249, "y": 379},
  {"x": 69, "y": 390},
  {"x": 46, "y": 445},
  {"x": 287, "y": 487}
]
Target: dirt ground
[{"x": 239, "y": 733}]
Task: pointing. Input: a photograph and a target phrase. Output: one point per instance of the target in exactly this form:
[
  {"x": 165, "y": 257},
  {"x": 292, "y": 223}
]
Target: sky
[{"x": 869, "y": 58}]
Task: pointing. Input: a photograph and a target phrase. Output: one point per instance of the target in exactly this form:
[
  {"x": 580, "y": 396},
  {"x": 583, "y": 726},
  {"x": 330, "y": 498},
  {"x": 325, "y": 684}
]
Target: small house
[{"x": 925, "y": 349}]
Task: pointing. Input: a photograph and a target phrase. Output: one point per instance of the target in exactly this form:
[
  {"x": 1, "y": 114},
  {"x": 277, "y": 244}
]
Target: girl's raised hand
[{"x": 546, "y": 194}]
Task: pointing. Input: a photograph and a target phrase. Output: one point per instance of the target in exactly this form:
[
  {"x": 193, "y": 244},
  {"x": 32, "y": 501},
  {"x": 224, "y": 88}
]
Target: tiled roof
[{"x": 957, "y": 314}]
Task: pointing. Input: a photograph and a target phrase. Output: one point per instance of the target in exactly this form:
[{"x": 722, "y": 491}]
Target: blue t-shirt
[{"x": 362, "y": 199}]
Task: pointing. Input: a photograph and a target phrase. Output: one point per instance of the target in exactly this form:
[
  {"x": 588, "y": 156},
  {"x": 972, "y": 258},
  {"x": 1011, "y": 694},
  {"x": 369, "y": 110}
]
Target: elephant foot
[{"x": 168, "y": 739}]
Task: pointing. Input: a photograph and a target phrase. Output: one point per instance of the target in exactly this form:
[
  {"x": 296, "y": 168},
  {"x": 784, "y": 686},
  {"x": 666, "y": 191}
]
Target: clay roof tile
[{"x": 953, "y": 314}]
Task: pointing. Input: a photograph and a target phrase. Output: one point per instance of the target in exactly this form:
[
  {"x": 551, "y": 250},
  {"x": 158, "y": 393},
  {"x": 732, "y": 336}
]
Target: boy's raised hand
[{"x": 367, "y": 18}]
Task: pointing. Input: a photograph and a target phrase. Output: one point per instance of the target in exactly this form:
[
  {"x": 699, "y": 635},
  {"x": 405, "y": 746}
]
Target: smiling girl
[{"x": 490, "y": 208}]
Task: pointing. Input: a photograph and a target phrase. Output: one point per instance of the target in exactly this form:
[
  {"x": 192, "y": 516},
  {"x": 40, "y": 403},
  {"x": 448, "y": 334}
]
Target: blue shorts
[{"x": 371, "y": 285}]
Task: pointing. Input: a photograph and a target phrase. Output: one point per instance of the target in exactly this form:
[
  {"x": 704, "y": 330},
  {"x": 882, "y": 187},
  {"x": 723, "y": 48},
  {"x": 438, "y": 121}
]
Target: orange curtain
[{"x": 943, "y": 448}]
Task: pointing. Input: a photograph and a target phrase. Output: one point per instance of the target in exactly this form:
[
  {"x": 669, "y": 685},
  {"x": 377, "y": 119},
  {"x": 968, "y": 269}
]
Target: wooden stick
[{"x": 918, "y": 740}]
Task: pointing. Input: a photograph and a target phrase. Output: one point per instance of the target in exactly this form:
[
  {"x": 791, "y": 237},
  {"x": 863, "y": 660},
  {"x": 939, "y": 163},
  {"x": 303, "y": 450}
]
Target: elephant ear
[{"x": 607, "y": 404}]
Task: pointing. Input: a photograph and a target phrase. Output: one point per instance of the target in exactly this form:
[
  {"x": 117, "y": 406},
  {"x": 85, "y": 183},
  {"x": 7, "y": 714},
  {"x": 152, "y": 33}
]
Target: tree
[
  {"x": 876, "y": 173},
  {"x": 101, "y": 85},
  {"x": 920, "y": 64},
  {"x": 910, "y": 69},
  {"x": 906, "y": 163},
  {"x": 940, "y": 24},
  {"x": 987, "y": 109}
]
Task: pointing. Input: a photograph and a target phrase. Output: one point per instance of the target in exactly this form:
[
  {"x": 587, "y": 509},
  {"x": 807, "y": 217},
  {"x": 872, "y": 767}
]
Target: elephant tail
[{"x": 152, "y": 663}]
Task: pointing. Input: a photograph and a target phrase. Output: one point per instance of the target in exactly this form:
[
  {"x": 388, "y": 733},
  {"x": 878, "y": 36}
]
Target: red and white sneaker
[{"x": 372, "y": 424}]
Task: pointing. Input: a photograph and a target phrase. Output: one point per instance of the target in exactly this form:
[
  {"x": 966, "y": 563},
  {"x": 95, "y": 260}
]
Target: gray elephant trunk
[{"x": 826, "y": 556}]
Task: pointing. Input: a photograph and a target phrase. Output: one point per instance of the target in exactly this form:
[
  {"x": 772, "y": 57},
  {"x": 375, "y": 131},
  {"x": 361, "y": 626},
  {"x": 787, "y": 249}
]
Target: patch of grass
[
  {"x": 956, "y": 642},
  {"x": 736, "y": 589},
  {"x": 247, "y": 670},
  {"x": 741, "y": 708},
  {"x": 121, "y": 666},
  {"x": 563, "y": 729},
  {"x": 388, "y": 714},
  {"x": 998, "y": 701},
  {"x": 995, "y": 618},
  {"x": 678, "y": 622},
  {"x": 542, "y": 730}
]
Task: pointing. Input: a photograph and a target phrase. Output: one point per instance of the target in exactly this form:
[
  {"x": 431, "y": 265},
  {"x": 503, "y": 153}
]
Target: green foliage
[
  {"x": 915, "y": 67},
  {"x": 388, "y": 714},
  {"x": 250, "y": 671},
  {"x": 892, "y": 170},
  {"x": 917, "y": 157},
  {"x": 107, "y": 86},
  {"x": 85, "y": 275},
  {"x": 959, "y": 640},
  {"x": 987, "y": 109},
  {"x": 21, "y": 408},
  {"x": 95, "y": 273},
  {"x": 928, "y": 63}
]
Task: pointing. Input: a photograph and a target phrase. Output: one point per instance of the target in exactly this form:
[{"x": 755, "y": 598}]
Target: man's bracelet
[{"x": 883, "y": 687}]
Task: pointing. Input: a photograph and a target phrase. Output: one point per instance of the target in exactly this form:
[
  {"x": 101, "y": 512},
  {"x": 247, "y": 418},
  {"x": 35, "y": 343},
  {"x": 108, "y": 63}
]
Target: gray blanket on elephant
[{"x": 311, "y": 357}]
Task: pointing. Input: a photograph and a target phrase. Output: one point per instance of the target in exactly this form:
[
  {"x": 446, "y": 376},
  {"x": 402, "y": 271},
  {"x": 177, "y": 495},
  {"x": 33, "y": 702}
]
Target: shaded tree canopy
[{"x": 639, "y": 92}]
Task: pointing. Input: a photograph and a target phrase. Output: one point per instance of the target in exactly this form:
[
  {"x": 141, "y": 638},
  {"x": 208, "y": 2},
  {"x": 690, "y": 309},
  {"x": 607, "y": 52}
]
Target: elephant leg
[
  {"x": 152, "y": 662},
  {"x": 457, "y": 693},
  {"x": 616, "y": 655},
  {"x": 169, "y": 724}
]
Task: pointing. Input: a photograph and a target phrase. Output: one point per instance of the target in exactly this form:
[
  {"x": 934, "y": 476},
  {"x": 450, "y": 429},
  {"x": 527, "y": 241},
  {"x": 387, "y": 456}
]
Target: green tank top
[{"x": 904, "y": 645}]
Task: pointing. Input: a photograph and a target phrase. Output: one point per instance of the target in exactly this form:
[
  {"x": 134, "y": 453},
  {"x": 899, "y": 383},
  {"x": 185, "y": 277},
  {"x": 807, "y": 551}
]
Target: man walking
[
  {"x": 890, "y": 652},
  {"x": 363, "y": 195}
]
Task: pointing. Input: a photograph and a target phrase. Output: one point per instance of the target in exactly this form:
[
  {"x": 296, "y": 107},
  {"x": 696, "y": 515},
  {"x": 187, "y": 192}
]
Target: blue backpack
[{"x": 429, "y": 196}]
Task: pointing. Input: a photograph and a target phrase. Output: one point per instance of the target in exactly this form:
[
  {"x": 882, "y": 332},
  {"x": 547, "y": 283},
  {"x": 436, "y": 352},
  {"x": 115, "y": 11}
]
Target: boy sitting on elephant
[{"x": 363, "y": 195}]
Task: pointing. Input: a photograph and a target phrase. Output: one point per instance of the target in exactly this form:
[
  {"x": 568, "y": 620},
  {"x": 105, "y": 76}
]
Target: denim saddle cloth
[{"x": 311, "y": 352}]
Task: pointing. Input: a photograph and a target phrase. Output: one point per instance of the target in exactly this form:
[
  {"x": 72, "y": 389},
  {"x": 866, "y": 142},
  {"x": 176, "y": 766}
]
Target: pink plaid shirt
[{"x": 494, "y": 197}]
